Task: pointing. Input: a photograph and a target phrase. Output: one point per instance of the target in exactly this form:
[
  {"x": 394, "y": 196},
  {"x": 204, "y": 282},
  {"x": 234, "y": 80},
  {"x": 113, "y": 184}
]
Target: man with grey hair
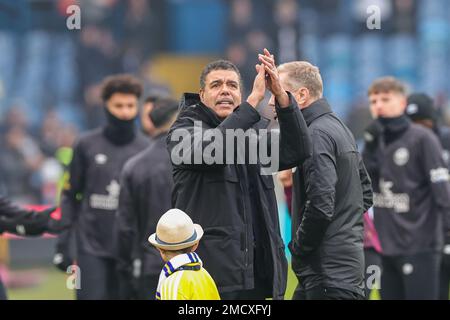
[{"x": 332, "y": 190}]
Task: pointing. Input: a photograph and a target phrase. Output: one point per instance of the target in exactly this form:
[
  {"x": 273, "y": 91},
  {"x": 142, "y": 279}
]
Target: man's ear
[
  {"x": 301, "y": 96},
  {"x": 201, "y": 94},
  {"x": 195, "y": 247}
]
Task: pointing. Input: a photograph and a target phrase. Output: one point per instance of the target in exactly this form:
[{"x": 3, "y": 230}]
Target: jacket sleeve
[
  {"x": 372, "y": 163},
  {"x": 23, "y": 222},
  {"x": 366, "y": 185},
  {"x": 294, "y": 138},
  {"x": 126, "y": 234},
  {"x": 70, "y": 203},
  {"x": 187, "y": 142},
  {"x": 436, "y": 171},
  {"x": 321, "y": 179}
]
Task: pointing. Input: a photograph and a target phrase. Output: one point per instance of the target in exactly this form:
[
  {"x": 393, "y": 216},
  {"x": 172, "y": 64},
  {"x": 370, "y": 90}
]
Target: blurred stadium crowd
[{"x": 50, "y": 76}]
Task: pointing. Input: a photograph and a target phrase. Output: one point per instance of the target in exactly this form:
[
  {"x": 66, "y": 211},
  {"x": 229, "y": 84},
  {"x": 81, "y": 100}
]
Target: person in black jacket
[
  {"x": 421, "y": 111},
  {"x": 235, "y": 203},
  {"x": 146, "y": 188},
  {"x": 16, "y": 220},
  {"x": 411, "y": 193},
  {"x": 332, "y": 190},
  {"x": 90, "y": 197}
]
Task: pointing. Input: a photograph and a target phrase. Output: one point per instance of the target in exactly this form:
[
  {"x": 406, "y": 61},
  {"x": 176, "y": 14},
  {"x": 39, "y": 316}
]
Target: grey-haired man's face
[{"x": 222, "y": 92}]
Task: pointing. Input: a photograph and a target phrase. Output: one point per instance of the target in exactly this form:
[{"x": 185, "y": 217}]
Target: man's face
[
  {"x": 146, "y": 122},
  {"x": 222, "y": 92},
  {"x": 387, "y": 104},
  {"x": 123, "y": 106},
  {"x": 301, "y": 95}
]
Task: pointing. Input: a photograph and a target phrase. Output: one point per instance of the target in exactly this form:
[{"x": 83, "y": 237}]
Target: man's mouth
[{"x": 225, "y": 103}]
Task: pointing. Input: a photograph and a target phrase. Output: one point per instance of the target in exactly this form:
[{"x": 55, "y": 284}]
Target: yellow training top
[{"x": 189, "y": 285}]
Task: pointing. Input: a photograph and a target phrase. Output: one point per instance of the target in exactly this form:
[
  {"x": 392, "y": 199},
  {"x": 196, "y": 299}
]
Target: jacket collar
[
  {"x": 315, "y": 110},
  {"x": 190, "y": 102}
]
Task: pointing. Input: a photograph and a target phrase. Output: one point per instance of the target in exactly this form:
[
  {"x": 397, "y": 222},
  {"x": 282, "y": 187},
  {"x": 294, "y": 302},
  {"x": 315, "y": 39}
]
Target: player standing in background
[
  {"x": 90, "y": 198},
  {"x": 421, "y": 110},
  {"x": 411, "y": 191}
]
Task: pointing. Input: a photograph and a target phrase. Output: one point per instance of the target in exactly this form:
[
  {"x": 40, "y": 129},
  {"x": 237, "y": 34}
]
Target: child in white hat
[{"x": 183, "y": 276}]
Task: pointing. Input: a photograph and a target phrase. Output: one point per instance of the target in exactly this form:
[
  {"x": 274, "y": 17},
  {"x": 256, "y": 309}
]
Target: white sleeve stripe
[
  {"x": 177, "y": 284},
  {"x": 439, "y": 175}
]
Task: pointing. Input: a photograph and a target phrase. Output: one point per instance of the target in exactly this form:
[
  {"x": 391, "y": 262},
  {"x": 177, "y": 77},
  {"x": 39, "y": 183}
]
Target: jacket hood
[{"x": 188, "y": 99}]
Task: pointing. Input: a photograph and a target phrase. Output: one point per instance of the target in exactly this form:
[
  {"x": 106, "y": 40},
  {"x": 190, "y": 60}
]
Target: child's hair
[{"x": 177, "y": 252}]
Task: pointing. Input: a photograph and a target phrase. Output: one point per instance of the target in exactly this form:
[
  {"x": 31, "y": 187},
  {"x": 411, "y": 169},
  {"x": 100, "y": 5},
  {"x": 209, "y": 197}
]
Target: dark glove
[
  {"x": 62, "y": 261},
  {"x": 27, "y": 223},
  {"x": 372, "y": 134},
  {"x": 36, "y": 223}
]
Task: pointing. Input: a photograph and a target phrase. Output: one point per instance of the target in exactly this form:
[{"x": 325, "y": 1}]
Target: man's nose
[{"x": 224, "y": 90}]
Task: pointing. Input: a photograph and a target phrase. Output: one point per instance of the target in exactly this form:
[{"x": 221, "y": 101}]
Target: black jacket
[
  {"x": 146, "y": 189},
  {"x": 411, "y": 188},
  {"x": 444, "y": 137},
  {"x": 234, "y": 203},
  {"x": 332, "y": 190},
  {"x": 90, "y": 198}
]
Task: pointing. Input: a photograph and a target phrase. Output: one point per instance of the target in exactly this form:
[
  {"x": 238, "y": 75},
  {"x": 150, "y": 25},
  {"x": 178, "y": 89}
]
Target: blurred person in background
[
  {"x": 90, "y": 197},
  {"x": 287, "y": 182},
  {"x": 411, "y": 185},
  {"x": 146, "y": 190},
  {"x": 20, "y": 159},
  {"x": 421, "y": 111},
  {"x": 150, "y": 103},
  {"x": 143, "y": 20}
]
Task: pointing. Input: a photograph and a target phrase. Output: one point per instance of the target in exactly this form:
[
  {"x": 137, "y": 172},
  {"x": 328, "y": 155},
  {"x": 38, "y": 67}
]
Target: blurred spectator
[
  {"x": 404, "y": 18},
  {"x": 287, "y": 38},
  {"x": 20, "y": 161},
  {"x": 143, "y": 32}
]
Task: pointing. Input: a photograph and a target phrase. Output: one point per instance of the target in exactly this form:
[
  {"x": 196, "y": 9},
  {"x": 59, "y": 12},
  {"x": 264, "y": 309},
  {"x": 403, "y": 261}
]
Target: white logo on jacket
[
  {"x": 101, "y": 158},
  {"x": 386, "y": 199},
  {"x": 401, "y": 156},
  {"x": 109, "y": 201}
]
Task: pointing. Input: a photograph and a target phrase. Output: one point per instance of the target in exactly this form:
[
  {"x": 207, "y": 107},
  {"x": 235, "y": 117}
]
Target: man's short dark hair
[
  {"x": 219, "y": 65},
  {"x": 163, "y": 111},
  {"x": 121, "y": 83}
]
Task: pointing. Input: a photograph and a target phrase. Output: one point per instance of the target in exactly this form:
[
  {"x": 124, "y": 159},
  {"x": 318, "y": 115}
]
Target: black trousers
[
  {"x": 372, "y": 258},
  {"x": 98, "y": 278},
  {"x": 324, "y": 293},
  {"x": 2, "y": 291},
  {"x": 147, "y": 287},
  {"x": 253, "y": 294},
  {"x": 414, "y": 277},
  {"x": 444, "y": 281}
]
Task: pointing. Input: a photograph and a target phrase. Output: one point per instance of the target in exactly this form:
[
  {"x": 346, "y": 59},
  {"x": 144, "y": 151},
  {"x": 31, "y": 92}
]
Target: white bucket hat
[{"x": 175, "y": 231}]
